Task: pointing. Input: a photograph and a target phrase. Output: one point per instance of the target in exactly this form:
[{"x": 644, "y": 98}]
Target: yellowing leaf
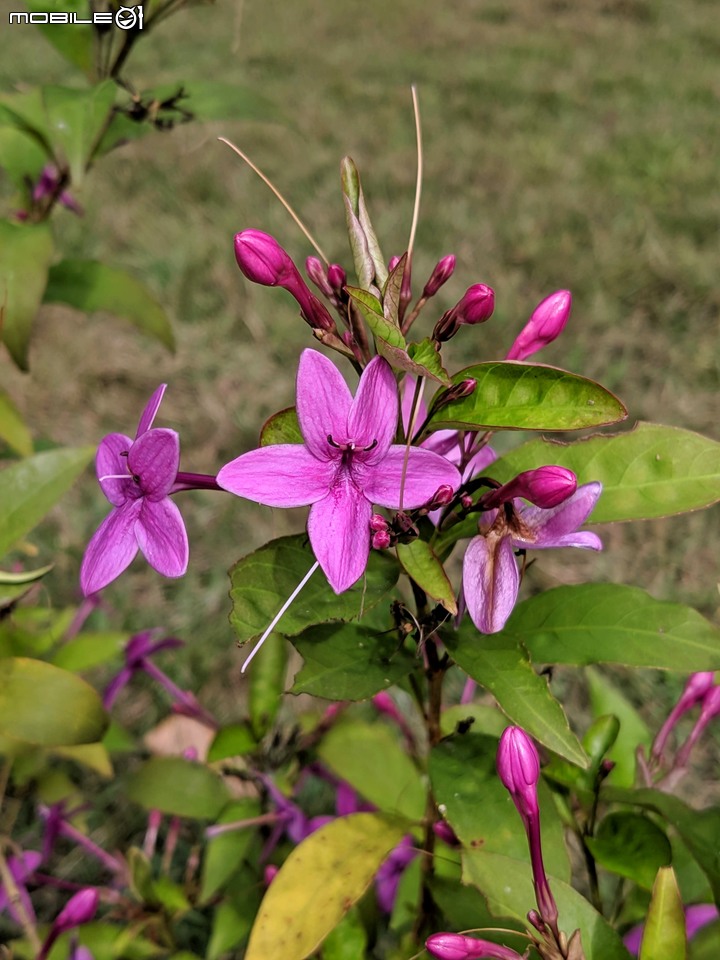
[{"x": 319, "y": 882}]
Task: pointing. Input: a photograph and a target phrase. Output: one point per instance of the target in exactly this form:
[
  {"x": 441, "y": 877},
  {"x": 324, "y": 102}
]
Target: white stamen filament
[
  {"x": 115, "y": 476},
  {"x": 279, "y": 614}
]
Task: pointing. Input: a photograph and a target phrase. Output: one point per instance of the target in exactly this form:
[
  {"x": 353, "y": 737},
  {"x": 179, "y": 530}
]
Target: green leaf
[
  {"x": 664, "y": 934},
  {"x": 349, "y": 661},
  {"x": 507, "y": 885},
  {"x": 699, "y": 829},
  {"x": 76, "y": 120},
  {"x": 91, "y": 649},
  {"x": 26, "y": 111},
  {"x": 230, "y": 925},
  {"x": 370, "y": 758},
  {"x": 226, "y": 851},
  {"x": 74, "y": 41},
  {"x": 232, "y": 741},
  {"x": 348, "y": 941},
  {"x": 498, "y": 662},
  {"x": 25, "y": 254},
  {"x": 527, "y": 396},
  {"x": 180, "y": 787},
  {"x": 483, "y": 718},
  {"x": 12, "y": 427},
  {"x": 281, "y": 427},
  {"x": 262, "y": 581},
  {"x": 462, "y": 769},
  {"x": 21, "y": 156},
  {"x": 30, "y": 488},
  {"x": 369, "y": 261},
  {"x": 630, "y": 845},
  {"x": 267, "y": 684},
  {"x": 421, "y": 564},
  {"x": 426, "y": 361},
  {"x": 68, "y": 712},
  {"x": 92, "y": 755},
  {"x": 371, "y": 309},
  {"x": 651, "y": 471},
  {"x": 612, "y": 623},
  {"x": 606, "y": 698},
  {"x": 318, "y": 883},
  {"x": 24, "y": 576},
  {"x": 392, "y": 291},
  {"x": 91, "y": 286}
]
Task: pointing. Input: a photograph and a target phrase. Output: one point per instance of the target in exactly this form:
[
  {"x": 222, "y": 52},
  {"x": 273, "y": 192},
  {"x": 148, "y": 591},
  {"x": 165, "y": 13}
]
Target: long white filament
[{"x": 279, "y": 614}]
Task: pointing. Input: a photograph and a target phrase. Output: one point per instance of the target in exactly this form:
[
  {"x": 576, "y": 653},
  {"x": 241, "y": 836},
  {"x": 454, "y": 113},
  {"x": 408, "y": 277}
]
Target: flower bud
[
  {"x": 441, "y": 498},
  {"x": 443, "y": 831},
  {"x": 547, "y": 322},
  {"x": 79, "y": 909},
  {"x": 263, "y": 260},
  {"x": 381, "y": 540},
  {"x": 269, "y": 874},
  {"x": 455, "y": 946},
  {"x": 393, "y": 262},
  {"x": 518, "y": 767},
  {"x": 316, "y": 272},
  {"x": 695, "y": 689},
  {"x": 378, "y": 522},
  {"x": 546, "y": 487},
  {"x": 476, "y": 306},
  {"x": 444, "y": 269}
]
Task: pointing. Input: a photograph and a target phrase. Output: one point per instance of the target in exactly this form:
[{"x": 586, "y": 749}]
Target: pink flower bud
[
  {"x": 381, "y": 540},
  {"x": 546, "y": 487},
  {"x": 444, "y": 269},
  {"x": 79, "y": 909},
  {"x": 394, "y": 261},
  {"x": 441, "y": 498},
  {"x": 476, "y": 306},
  {"x": 337, "y": 278},
  {"x": 270, "y": 873},
  {"x": 546, "y": 323},
  {"x": 518, "y": 767},
  {"x": 263, "y": 260},
  {"x": 455, "y": 946},
  {"x": 316, "y": 271},
  {"x": 695, "y": 689},
  {"x": 378, "y": 522},
  {"x": 443, "y": 831}
]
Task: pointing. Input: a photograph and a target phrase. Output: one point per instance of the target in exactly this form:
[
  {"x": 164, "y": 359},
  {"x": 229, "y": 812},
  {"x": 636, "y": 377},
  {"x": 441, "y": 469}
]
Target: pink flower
[
  {"x": 546, "y": 323},
  {"x": 347, "y": 463}
]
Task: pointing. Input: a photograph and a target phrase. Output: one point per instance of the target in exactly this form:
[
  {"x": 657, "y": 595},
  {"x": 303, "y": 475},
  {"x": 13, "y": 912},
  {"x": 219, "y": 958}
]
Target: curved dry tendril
[
  {"x": 418, "y": 181},
  {"x": 281, "y": 198},
  {"x": 278, "y": 615}
]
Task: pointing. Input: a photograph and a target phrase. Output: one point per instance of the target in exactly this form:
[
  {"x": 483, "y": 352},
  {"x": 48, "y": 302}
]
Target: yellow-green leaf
[
  {"x": 664, "y": 936},
  {"x": 25, "y": 254},
  {"x": 420, "y": 563}
]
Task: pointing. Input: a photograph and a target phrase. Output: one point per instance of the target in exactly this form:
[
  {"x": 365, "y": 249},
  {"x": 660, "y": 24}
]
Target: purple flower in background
[
  {"x": 695, "y": 689},
  {"x": 387, "y": 879},
  {"x": 79, "y": 909},
  {"x": 697, "y": 916},
  {"x": 455, "y": 946},
  {"x": 491, "y": 579},
  {"x": 347, "y": 463},
  {"x": 137, "y": 477},
  {"x": 21, "y": 868},
  {"x": 547, "y": 322}
]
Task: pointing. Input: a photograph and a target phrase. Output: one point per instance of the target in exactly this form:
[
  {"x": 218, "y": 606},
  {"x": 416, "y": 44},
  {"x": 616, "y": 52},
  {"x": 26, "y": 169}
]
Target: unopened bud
[
  {"x": 455, "y": 946},
  {"x": 547, "y": 322},
  {"x": 466, "y": 501},
  {"x": 476, "y": 306},
  {"x": 444, "y": 269},
  {"x": 518, "y": 767},
  {"x": 79, "y": 909},
  {"x": 337, "y": 278},
  {"x": 546, "y": 487},
  {"x": 695, "y": 689},
  {"x": 378, "y": 522},
  {"x": 393, "y": 262},
  {"x": 381, "y": 540},
  {"x": 270, "y": 873},
  {"x": 445, "y": 832},
  {"x": 441, "y": 498},
  {"x": 316, "y": 271}
]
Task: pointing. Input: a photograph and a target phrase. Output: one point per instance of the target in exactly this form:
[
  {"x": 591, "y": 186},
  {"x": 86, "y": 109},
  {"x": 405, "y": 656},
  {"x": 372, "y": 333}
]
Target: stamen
[
  {"x": 371, "y": 447},
  {"x": 279, "y": 614},
  {"x": 117, "y": 476},
  {"x": 332, "y": 442}
]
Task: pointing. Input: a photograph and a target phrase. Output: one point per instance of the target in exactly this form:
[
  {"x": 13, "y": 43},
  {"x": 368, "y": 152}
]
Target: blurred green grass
[{"x": 566, "y": 145}]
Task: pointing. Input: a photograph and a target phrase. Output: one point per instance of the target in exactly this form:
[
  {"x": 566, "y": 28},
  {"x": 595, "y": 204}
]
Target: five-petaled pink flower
[
  {"x": 137, "y": 477},
  {"x": 347, "y": 463}
]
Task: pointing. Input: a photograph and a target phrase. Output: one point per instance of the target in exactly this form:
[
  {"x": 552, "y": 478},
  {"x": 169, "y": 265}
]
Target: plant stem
[{"x": 8, "y": 881}]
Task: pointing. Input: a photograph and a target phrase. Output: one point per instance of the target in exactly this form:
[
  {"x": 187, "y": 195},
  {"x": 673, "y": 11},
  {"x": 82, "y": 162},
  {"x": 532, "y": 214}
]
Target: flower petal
[
  {"x": 151, "y": 408},
  {"x": 339, "y": 531},
  {"x": 490, "y": 581},
  {"x": 550, "y": 528},
  {"x": 155, "y": 458},
  {"x": 426, "y": 471},
  {"x": 373, "y": 416},
  {"x": 111, "y": 549},
  {"x": 109, "y": 461},
  {"x": 407, "y": 392},
  {"x": 284, "y": 475},
  {"x": 162, "y": 538},
  {"x": 323, "y": 404}
]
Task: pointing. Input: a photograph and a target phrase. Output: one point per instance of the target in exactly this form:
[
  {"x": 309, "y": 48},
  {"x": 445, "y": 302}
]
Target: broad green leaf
[
  {"x": 263, "y": 580},
  {"x": 699, "y": 829},
  {"x": 25, "y": 254},
  {"x": 527, "y": 396},
  {"x": 606, "y": 698},
  {"x": 33, "y": 630},
  {"x": 26, "y": 111},
  {"x": 230, "y": 925},
  {"x": 612, "y": 623},
  {"x": 483, "y": 719},
  {"x": 24, "y": 576},
  {"x": 76, "y": 120},
  {"x": 392, "y": 291},
  {"x": 499, "y": 663},
  {"x": 281, "y": 427},
  {"x": 370, "y": 758},
  {"x": 30, "y": 488},
  {"x": 426, "y": 361},
  {"x": 10, "y": 594},
  {"x": 22, "y": 157},
  {"x": 226, "y": 851},
  {"x": 664, "y": 934},
  {"x": 318, "y": 883},
  {"x": 462, "y": 770},
  {"x": 349, "y": 661},
  {"x": 74, "y": 41},
  {"x": 92, "y": 755},
  {"x": 91, "y": 286},
  {"x": 348, "y": 941},
  {"x": 420, "y": 563},
  {"x": 178, "y": 786},
  {"x": 507, "y": 885},
  {"x": 630, "y": 845},
  {"x": 12, "y": 427},
  {"x": 231, "y": 741},
  {"x": 90, "y": 649},
  {"x": 369, "y": 261},
  {"x": 650, "y": 471},
  {"x": 371, "y": 309},
  {"x": 68, "y": 712},
  {"x": 266, "y": 684}
]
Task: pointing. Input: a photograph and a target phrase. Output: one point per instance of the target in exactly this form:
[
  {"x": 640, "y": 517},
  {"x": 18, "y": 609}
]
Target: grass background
[{"x": 566, "y": 145}]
